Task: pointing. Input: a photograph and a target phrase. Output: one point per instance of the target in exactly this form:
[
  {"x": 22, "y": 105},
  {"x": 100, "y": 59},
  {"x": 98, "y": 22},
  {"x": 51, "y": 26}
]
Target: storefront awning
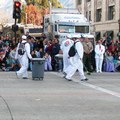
[{"x": 108, "y": 33}]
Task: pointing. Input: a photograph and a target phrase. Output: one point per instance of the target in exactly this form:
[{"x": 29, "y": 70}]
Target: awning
[
  {"x": 118, "y": 34},
  {"x": 108, "y": 33}
]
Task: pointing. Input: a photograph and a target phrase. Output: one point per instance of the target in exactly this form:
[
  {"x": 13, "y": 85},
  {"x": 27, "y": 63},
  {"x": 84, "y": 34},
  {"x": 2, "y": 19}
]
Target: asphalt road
[{"x": 55, "y": 98}]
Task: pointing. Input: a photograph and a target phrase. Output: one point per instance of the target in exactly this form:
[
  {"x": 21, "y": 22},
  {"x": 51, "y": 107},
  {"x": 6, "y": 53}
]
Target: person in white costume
[
  {"x": 24, "y": 59},
  {"x": 99, "y": 55},
  {"x": 76, "y": 63},
  {"x": 65, "y": 46}
]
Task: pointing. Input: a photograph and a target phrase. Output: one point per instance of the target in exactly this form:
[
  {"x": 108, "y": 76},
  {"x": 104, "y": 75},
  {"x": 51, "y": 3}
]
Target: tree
[
  {"x": 4, "y": 19},
  {"x": 34, "y": 11},
  {"x": 44, "y": 3},
  {"x": 34, "y": 14}
]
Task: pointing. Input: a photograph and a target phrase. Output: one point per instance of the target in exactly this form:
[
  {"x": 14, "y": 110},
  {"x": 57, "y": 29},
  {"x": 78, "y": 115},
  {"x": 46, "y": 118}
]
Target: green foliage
[{"x": 44, "y": 3}]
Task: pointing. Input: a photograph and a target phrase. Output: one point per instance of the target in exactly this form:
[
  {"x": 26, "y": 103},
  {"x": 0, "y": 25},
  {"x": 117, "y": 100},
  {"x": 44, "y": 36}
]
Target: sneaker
[
  {"x": 88, "y": 73},
  {"x": 64, "y": 74},
  {"x": 18, "y": 76},
  {"x": 68, "y": 79},
  {"x": 25, "y": 78},
  {"x": 84, "y": 79}
]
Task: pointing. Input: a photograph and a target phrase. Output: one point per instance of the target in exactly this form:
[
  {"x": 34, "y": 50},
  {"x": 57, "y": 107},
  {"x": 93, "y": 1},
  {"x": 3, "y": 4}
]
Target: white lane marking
[{"x": 116, "y": 94}]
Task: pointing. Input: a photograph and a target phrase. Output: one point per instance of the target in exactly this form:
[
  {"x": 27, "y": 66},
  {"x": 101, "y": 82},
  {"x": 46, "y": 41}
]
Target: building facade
[{"x": 103, "y": 16}]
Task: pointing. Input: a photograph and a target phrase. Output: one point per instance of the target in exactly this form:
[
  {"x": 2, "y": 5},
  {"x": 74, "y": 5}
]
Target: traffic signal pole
[
  {"x": 15, "y": 32},
  {"x": 16, "y": 15}
]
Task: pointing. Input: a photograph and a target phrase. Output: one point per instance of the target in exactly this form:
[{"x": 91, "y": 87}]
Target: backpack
[
  {"x": 21, "y": 48},
  {"x": 72, "y": 51}
]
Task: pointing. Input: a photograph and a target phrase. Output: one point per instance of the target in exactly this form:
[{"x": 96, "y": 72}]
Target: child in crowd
[
  {"x": 48, "y": 65},
  {"x": 109, "y": 62}
]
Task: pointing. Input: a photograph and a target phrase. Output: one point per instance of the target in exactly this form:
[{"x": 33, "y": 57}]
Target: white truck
[
  {"x": 34, "y": 30},
  {"x": 63, "y": 21}
]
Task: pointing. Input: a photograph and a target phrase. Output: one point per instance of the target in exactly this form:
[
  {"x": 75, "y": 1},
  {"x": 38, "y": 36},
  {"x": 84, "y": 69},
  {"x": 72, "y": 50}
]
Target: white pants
[
  {"x": 66, "y": 62},
  {"x": 99, "y": 63},
  {"x": 23, "y": 69},
  {"x": 76, "y": 65}
]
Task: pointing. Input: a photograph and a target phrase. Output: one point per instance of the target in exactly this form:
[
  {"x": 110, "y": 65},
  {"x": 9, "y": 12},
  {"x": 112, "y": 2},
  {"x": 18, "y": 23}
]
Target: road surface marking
[{"x": 116, "y": 94}]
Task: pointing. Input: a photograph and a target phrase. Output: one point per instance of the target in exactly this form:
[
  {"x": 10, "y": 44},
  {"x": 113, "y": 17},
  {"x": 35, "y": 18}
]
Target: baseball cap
[
  {"x": 24, "y": 37},
  {"x": 75, "y": 36},
  {"x": 69, "y": 35}
]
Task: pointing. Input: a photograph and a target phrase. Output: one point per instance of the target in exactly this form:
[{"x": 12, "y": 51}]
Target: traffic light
[{"x": 17, "y": 10}]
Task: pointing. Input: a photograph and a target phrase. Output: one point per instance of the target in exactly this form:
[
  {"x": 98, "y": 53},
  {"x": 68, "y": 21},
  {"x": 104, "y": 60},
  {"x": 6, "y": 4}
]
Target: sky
[
  {"x": 6, "y": 9},
  {"x": 67, "y": 3},
  {"x": 6, "y": 6}
]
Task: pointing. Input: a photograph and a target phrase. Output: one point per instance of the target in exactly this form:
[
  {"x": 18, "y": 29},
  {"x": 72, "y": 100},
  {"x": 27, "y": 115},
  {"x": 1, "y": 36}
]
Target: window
[
  {"x": 79, "y": 2},
  {"x": 88, "y": 16},
  {"x": 98, "y": 15},
  {"x": 73, "y": 29},
  {"x": 111, "y": 11},
  {"x": 66, "y": 28},
  {"x": 81, "y": 29},
  {"x": 55, "y": 28},
  {"x": 35, "y": 30}
]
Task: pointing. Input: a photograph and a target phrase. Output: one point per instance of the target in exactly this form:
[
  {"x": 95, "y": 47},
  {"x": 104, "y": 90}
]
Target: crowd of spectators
[
  {"x": 39, "y": 48},
  {"x": 112, "y": 56},
  {"x": 49, "y": 49}
]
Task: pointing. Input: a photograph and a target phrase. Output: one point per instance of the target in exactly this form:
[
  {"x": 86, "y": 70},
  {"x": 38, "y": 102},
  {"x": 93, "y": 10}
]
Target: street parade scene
[{"x": 59, "y": 60}]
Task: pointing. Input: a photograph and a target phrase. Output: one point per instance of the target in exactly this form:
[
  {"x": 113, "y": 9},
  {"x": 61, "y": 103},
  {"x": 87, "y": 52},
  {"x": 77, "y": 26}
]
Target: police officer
[
  {"x": 76, "y": 61},
  {"x": 23, "y": 59},
  {"x": 88, "y": 48}
]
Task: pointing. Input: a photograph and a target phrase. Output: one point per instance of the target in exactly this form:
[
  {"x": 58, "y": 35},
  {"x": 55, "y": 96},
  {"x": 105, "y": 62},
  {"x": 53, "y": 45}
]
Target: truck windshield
[
  {"x": 73, "y": 29},
  {"x": 81, "y": 29},
  {"x": 66, "y": 29}
]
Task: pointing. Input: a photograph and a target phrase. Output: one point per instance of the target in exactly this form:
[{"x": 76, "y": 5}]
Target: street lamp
[{"x": 119, "y": 30}]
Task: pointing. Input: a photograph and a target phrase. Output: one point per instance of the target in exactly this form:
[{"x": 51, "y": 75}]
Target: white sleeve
[
  {"x": 27, "y": 49},
  {"x": 79, "y": 48},
  {"x": 16, "y": 54}
]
